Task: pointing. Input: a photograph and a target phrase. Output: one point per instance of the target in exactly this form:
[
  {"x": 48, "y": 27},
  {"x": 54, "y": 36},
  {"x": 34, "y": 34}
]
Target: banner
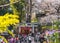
[{"x": 25, "y": 30}]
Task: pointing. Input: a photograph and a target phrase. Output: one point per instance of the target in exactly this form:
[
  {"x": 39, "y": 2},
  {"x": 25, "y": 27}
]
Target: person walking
[
  {"x": 42, "y": 39},
  {"x": 29, "y": 38}
]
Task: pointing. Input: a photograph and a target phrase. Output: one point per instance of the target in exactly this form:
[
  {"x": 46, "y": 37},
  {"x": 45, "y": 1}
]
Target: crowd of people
[{"x": 36, "y": 37}]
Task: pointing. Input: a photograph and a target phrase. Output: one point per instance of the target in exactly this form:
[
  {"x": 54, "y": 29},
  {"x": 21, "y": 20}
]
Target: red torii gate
[{"x": 25, "y": 29}]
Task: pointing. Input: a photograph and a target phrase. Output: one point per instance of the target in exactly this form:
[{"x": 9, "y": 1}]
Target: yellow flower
[{"x": 7, "y": 20}]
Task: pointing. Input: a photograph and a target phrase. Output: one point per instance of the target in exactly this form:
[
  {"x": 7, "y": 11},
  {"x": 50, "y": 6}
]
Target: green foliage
[
  {"x": 2, "y": 2},
  {"x": 19, "y": 7},
  {"x": 3, "y": 10},
  {"x": 34, "y": 20}
]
